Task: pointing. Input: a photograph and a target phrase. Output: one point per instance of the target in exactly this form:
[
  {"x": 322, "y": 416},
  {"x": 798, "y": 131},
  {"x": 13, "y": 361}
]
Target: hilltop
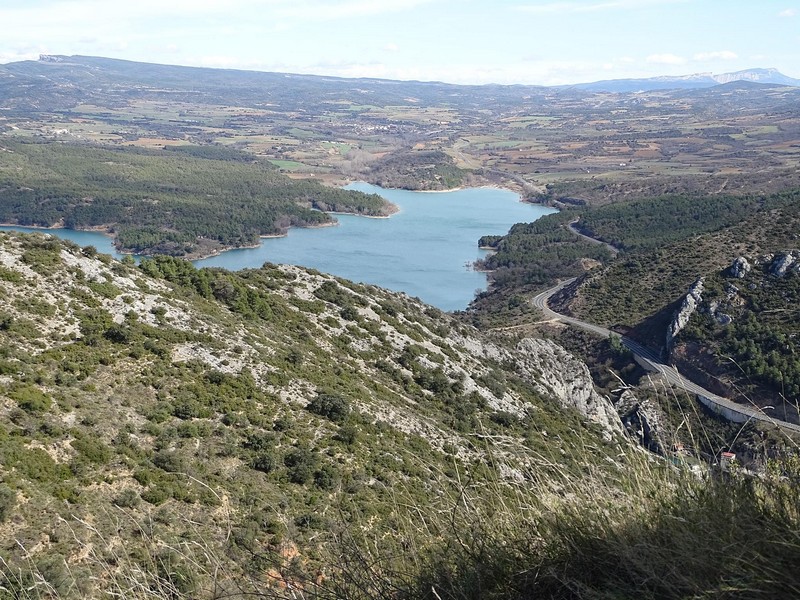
[{"x": 690, "y": 82}]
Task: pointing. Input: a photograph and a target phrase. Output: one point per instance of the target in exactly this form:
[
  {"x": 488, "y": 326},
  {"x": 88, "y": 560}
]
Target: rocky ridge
[{"x": 689, "y": 305}]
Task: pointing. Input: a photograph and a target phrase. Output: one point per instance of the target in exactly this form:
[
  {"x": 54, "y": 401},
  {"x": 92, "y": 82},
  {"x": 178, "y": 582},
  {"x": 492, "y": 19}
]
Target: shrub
[
  {"x": 265, "y": 461},
  {"x": 127, "y": 499},
  {"x": 168, "y": 461},
  {"x": 347, "y": 434},
  {"x": 301, "y": 464},
  {"x": 8, "y": 500},
  {"x": 31, "y": 399},
  {"x": 330, "y": 406},
  {"x": 92, "y": 449},
  {"x": 327, "y": 477},
  {"x": 349, "y": 313}
]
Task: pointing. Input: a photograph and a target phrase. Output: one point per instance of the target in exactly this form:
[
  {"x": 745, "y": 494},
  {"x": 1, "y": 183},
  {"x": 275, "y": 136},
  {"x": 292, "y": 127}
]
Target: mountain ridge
[{"x": 766, "y": 75}]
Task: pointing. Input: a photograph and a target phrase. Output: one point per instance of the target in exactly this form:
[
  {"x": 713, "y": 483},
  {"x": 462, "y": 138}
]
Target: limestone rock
[
  {"x": 723, "y": 318},
  {"x": 720, "y": 317},
  {"x": 781, "y": 264},
  {"x": 740, "y": 267},
  {"x": 642, "y": 420},
  {"x": 688, "y": 306},
  {"x": 567, "y": 379}
]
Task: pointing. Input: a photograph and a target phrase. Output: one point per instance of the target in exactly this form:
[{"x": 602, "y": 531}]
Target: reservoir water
[{"x": 425, "y": 250}]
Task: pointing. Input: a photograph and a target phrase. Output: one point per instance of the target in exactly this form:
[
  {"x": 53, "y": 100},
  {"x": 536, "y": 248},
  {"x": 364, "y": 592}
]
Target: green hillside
[
  {"x": 149, "y": 409},
  {"x": 191, "y": 200}
]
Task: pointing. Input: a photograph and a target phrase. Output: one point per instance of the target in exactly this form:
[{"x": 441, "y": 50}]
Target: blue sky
[{"x": 460, "y": 41}]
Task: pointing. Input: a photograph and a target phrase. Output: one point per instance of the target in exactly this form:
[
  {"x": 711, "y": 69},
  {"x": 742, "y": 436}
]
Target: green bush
[
  {"x": 301, "y": 464},
  {"x": 168, "y": 461},
  {"x": 93, "y": 449},
  {"x": 128, "y": 498},
  {"x": 8, "y": 500},
  {"x": 265, "y": 461},
  {"x": 331, "y": 406},
  {"x": 31, "y": 399}
]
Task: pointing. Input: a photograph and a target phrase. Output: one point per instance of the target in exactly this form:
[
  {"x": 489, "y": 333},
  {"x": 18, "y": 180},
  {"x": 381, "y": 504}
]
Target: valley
[{"x": 179, "y": 430}]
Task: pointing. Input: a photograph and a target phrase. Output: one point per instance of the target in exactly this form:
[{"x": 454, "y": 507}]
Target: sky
[{"x": 550, "y": 42}]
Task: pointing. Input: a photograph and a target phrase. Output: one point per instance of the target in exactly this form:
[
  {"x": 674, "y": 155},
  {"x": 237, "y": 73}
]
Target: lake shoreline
[
  {"x": 430, "y": 252},
  {"x": 106, "y": 230}
]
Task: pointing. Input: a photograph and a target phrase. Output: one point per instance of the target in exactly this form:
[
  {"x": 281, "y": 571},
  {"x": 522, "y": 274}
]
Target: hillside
[
  {"x": 760, "y": 303},
  {"x": 738, "y": 341},
  {"x": 187, "y": 201},
  {"x": 148, "y": 409},
  {"x": 175, "y": 433}
]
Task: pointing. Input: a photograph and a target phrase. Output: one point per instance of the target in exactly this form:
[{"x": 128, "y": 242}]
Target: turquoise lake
[{"x": 425, "y": 250}]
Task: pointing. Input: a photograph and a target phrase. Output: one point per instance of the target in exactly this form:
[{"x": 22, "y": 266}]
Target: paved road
[
  {"x": 571, "y": 226},
  {"x": 652, "y": 362}
]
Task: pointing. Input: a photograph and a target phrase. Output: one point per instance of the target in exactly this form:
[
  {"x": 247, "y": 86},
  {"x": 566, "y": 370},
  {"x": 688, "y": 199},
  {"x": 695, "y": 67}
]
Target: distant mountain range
[
  {"x": 223, "y": 76},
  {"x": 695, "y": 81},
  {"x": 59, "y": 83}
]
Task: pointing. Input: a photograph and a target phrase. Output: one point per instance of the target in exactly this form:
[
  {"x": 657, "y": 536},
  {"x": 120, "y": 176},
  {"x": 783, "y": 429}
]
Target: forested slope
[{"x": 186, "y": 201}]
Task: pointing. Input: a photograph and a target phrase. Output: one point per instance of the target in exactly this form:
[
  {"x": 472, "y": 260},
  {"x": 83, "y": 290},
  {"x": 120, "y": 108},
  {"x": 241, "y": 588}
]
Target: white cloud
[
  {"x": 789, "y": 12},
  {"x": 80, "y": 13},
  {"x": 665, "y": 59},
  {"x": 391, "y": 47},
  {"x": 718, "y": 55},
  {"x": 584, "y": 7}
]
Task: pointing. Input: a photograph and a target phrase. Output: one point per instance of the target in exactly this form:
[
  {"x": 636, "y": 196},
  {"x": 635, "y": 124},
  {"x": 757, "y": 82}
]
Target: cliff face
[
  {"x": 558, "y": 373},
  {"x": 235, "y": 400}
]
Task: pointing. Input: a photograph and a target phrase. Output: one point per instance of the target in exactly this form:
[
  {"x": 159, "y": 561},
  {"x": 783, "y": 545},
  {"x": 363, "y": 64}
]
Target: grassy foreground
[{"x": 643, "y": 529}]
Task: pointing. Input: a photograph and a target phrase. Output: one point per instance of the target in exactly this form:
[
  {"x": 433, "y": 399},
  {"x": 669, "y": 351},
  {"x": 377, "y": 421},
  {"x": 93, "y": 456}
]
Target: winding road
[
  {"x": 571, "y": 227},
  {"x": 648, "y": 359}
]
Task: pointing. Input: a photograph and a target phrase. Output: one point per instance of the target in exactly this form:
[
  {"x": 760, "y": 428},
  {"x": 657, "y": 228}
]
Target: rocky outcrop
[
  {"x": 688, "y": 307},
  {"x": 560, "y": 375},
  {"x": 642, "y": 421},
  {"x": 780, "y": 266},
  {"x": 719, "y": 316},
  {"x": 740, "y": 267}
]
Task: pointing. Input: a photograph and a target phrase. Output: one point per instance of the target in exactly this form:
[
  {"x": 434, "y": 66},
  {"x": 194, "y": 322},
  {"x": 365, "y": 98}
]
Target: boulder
[
  {"x": 740, "y": 267},
  {"x": 781, "y": 264}
]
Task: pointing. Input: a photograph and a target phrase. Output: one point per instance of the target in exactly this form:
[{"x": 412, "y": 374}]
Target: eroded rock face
[
  {"x": 567, "y": 379},
  {"x": 688, "y": 306},
  {"x": 740, "y": 267}
]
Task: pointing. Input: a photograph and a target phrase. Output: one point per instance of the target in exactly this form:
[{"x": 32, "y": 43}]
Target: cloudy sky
[{"x": 460, "y": 41}]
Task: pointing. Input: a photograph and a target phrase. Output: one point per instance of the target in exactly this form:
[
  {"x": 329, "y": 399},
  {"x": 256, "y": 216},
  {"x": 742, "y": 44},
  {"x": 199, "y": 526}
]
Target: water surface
[
  {"x": 425, "y": 250},
  {"x": 101, "y": 242}
]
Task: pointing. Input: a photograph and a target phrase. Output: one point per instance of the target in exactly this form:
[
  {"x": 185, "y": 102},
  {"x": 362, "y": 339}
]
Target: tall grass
[
  {"x": 652, "y": 531},
  {"x": 636, "y": 527}
]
